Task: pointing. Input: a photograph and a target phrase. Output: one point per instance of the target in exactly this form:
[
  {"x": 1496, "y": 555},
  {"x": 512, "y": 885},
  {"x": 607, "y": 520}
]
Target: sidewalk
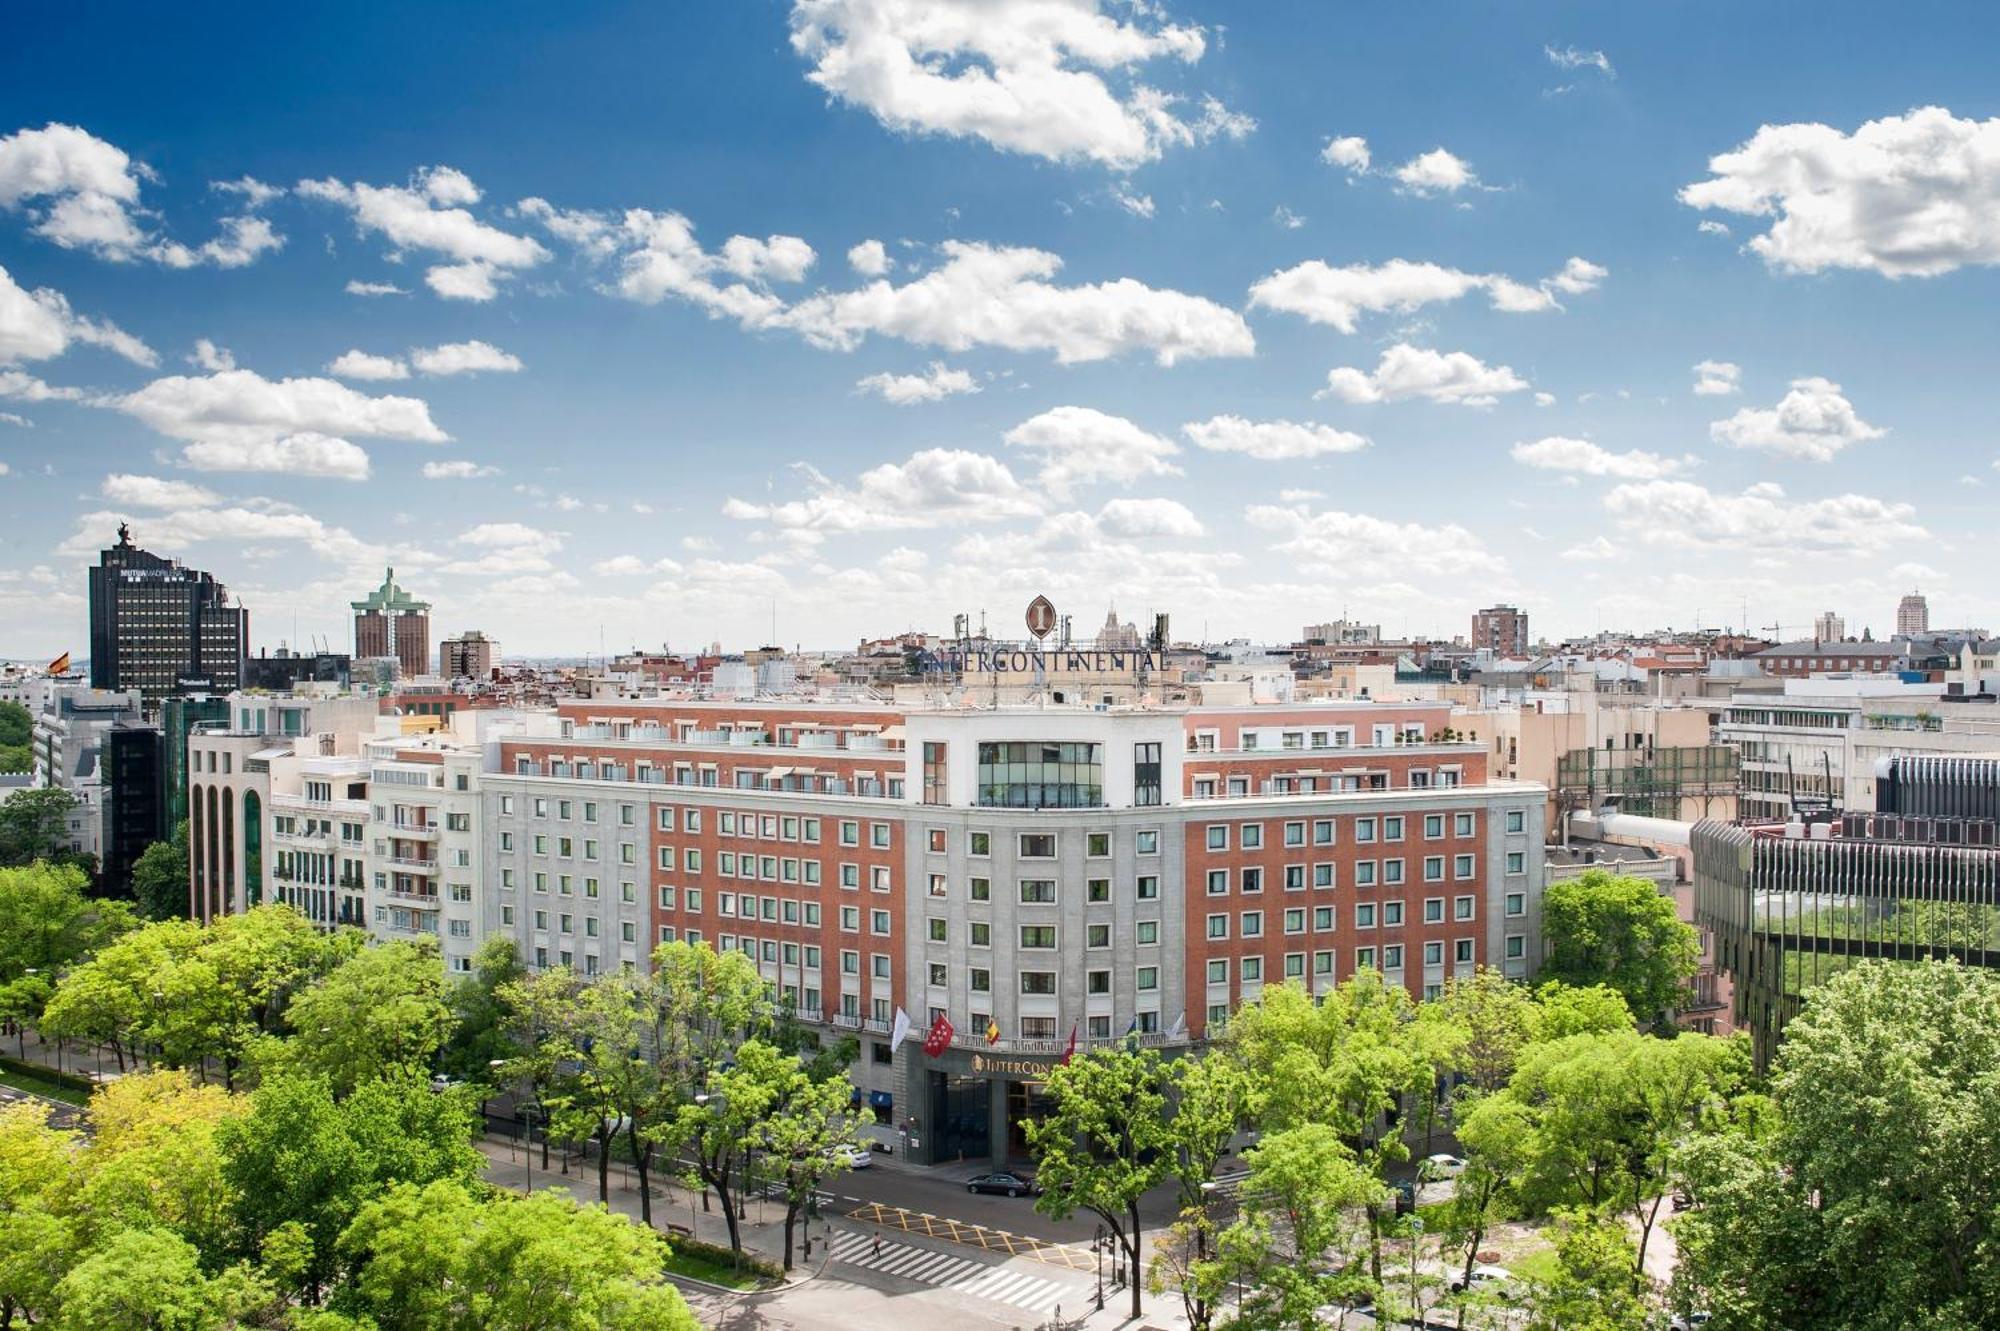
[{"x": 79, "y": 1060}]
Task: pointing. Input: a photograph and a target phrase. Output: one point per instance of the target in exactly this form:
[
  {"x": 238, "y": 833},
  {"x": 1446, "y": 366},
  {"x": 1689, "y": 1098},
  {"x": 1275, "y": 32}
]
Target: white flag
[
  {"x": 900, "y": 1031},
  {"x": 1179, "y": 1032}
]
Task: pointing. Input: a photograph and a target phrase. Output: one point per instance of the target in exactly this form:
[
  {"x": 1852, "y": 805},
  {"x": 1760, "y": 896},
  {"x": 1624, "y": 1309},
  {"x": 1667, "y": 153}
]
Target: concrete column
[{"x": 996, "y": 1120}]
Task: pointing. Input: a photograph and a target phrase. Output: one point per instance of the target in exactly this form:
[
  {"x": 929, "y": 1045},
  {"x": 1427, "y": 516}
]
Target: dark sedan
[{"x": 1005, "y": 1183}]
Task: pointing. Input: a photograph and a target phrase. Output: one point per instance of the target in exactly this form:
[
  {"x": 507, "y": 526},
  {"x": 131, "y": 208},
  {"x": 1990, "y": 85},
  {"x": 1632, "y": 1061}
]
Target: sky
[{"x": 616, "y": 325}]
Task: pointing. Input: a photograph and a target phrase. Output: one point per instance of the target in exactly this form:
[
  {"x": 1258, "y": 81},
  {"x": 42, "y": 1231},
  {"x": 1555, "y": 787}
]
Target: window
[
  {"x": 1322, "y": 876},
  {"x": 878, "y": 835},
  {"x": 981, "y": 934},
  {"x": 1364, "y": 915},
  {"x": 1295, "y": 965},
  {"x": 1218, "y": 882},
  {"x": 939, "y": 931},
  {"x": 1253, "y": 879},
  {"x": 1392, "y": 827},
  {"x": 1252, "y": 924},
  {"x": 1461, "y": 951},
  {"x": 1147, "y": 842},
  {"x": 1433, "y": 954},
  {"x": 1218, "y": 926},
  {"x": 1392, "y": 914},
  {"x": 1392, "y": 957},
  {"x": 1517, "y": 903},
  {"x": 1392, "y": 871},
  {"x": 1433, "y": 826},
  {"x": 1461, "y": 867},
  {"x": 979, "y": 980},
  {"x": 1038, "y": 845},
  {"x": 1516, "y": 820},
  {"x": 1035, "y": 774},
  {"x": 939, "y": 976},
  {"x": 1322, "y": 918},
  {"x": 1323, "y": 832},
  {"x": 878, "y": 922},
  {"x": 981, "y": 889},
  {"x": 1097, "y": 935},
  {"x": 1461, "y": 908},
  {"x": 1148, "y": 887},
  {"x": 1433, "y": 910},
  {"x": 1146, "y": 933},
  {"x": 938, "y": 886},
  {"x": 1434, "y": 868},
  {"x": 1516, "y": 862},
  {"x": 935, "y": 767},
  {"x": 850, "y": 833},
  {"x": 878, "y": 965},
  {"x": 979, "y": 843},
  {"x": 1218, "y": 971},
  {"x": 1038, "y": 891},
  {"x": 850, "y": 963},
  {"x": 1364, "y": 873},
  {"x": 1364, "y": 829},
  {"x": 1295, "y": 920},
  {"x": 1038, "y": 936},
  {"x": 1251, "y": 836},
  {"x": 1295, "y": 877},
  {"x": 1097, "y": 844},
  {"x": 1218, "y": 836},
  {"x": 1038, "y": 982},
  {"x": 1295, "y": 834},
  {"x": 937, "y": 839},
  {"x": 1461, "y": 824},
  {"x": 1517, "y": 947},
  {"x": 1146, "y": 979}
]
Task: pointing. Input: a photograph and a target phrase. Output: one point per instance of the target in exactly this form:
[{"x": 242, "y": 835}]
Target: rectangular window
[
  {"x": 1322, "y": 918},
  {"x": 1038, "y": 891},
  {"x": 1295, "y": 920},
  {"x": 1322, "y": 876},
  {"x": 935, "y": 783},
  {"x": 1433, "y": 826},
  {"x": 1218, "y": 971},
  {"x": 1218, "y": 836},
  {"x": 1392, "y": 957},
  {"x": 1038, "y": 982},
  {"x": 1516, "y": 820},
  {"x": 1147, "y": 842},
  {"x": 1295, "y": 877},
  {"x": 1218, "y": 882},
  {"x": 979, "y": 843},
  {"x": 979, "y": 980},
  {"x": 1146, "y": 979},
  {"x": 1462, "y": 867},
  {"x": 1148, "y": 888},
  {"x": 1434, "y": 868},
  {"x": 1034, "y": 774},
  {"x": 1323, "y": 831},
  {"x": 1251, "y": 836},
  {"x": 1097, "y": 935},
  {"x": 1461, "y": 951},
  {"x": 1295, "y": 834},
  {"x": 1146, "y": 933},
  {"x": 939, "y": 931},
  {"x": 1433, "y": 910},
  {"x": 1392, "y": 871},
  {"x": 1097, "y": 845},
  {"x": 981, "y": 889},
  {"x": 1517, "y": 946},
  {"x": 1433, "y": 954},
  {"x": 1517, "y": 903},
  {"x": 1364, "y": 829},
  {"x": 1097, "y": 891},
  {"x": 1516, "y": 862},
  {"x": 1252, "y": 924},
  {"x": 1218, "y": 926},
  {"x": 981, "y": 933},
  {"x": 1038, "y": 845},
  {"x": 1364, "y": 873},
  {"x": 878, "y": 922},
  {"x": 1038, "y": 936},
  {"x": 1253, "y": 879},
  {"x": 1461, "y": 908},
  {"x": 1364, "y": 915},
  {"x": 1392, "y": 914}
]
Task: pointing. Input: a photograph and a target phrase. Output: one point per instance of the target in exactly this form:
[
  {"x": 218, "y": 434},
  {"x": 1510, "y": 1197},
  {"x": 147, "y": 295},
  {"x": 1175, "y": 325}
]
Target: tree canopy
[{"x": 1620, "y": 932}]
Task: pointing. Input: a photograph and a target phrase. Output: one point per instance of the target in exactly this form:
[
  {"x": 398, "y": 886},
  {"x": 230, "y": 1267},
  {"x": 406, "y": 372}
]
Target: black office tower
[
  {"x": 160, "y": 628},
  {"x": 134, "y": 801}
]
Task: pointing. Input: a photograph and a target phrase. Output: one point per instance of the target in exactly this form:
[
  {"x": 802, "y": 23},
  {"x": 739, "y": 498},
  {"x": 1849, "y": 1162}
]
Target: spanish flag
[
  {"x": 60, "y": 666},
  {"x": 992, "y": 1031}
]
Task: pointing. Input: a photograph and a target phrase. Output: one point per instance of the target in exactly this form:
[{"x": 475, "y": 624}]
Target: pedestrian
[{"x": 876, "y": 1251}]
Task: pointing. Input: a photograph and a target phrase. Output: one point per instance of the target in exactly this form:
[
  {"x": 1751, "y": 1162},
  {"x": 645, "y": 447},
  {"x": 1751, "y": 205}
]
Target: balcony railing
[
  {"x": 413, "y": 831},
  {"x": 408, "y": 862}
]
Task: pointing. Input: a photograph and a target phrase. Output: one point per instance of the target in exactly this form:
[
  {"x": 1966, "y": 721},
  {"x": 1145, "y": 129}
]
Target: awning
[
  {"x": 778, "y": 773},
  {"x": 881, "y": 1100},
  {"x": 893, "y": 732}
]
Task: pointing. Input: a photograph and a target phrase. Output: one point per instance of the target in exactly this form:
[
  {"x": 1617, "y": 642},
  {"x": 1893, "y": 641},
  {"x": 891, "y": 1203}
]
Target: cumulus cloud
[
  {"x": 772, "y": 259},
  {"x": 1708, "y": 226},
  {"x": 208, "y": 356},
  {"x": 1286, "y": 218},
  {"x": 428, "y": 215},
  {"x": 1081, "y": 445},
  {"x": 936, "y": 383},
  {"x": 19, "y": 422},
  {"x": 1436, "y": 172},
  {"x": 1056, "y": 79},
  {"x": 40, "y": 325},
  {"x": 1914, "y": 195},
  {"x": 1406, "y": 372},
  {"x": 1595, "y": 550},
  {"x": 1135, "y": 519},
  {"x": 1001, "y": 297},
  {"x": 364, "y": 365},
  {"x": 1357, "y": 543},
  {"x": 1580, "y": 456},
  {"x": 1349, "y": 153},
  {"x": 1139, "y": 205},
  {"x": 870, "y": 258},
  {"x": 1338, "y": 297},
  {"x": 1717, "y": 378},
  {"x": 1761, "y": 519},
  {"x": 505, "y": 548},
  {"x": 1813, "y": 421},
  {"x": 458, "y": 469},
  {"x": 933, "y": 487},
  {"x": 239, "y": 524},
  {"x": 464, "y": 358},
  {"x": 83, "y": 193},
  {"x": 154, "y": 492},
  {"x": 661, "y": 258},
  {"x": 1271, "y": 441},
  {"x": 236, "y": 420},
  {"x": 1573, "y": 57},
  {"x": 356, "y": 287}
]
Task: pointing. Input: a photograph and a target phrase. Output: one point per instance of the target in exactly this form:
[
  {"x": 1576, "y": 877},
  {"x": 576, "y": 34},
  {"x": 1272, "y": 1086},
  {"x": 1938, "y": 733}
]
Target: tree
[
  {"x": 1498, "y": 1135},
  {"x": 1595, "y": 1287},
  {"x": 717, "y": 1126},
  {"x": 1602, "y": 928},
  {"x": 484, "y": 1029},
  {"x": 1498, "y": 1019},
  {"x": 1106, "y": 1142},
  {"x": 152, "y": 1280},
  {"x": 160, "y": 877},
  {"x": 808, "y": 1132},
  {"x": 437, "y": 1258},
  {"x": 34, "y": 825},
  {"x": 1213, "y": 1098},
  {"x": 48, "y": 923},
  {"x": 17, "y": 729},
  {"x": 1564, "y": 1009},
  {"x": 1870, "y": 1200},
  {"x": 154, "y": 1161},
  {"x": 379, "y": 1013},
  {"x": 1298, "y": 1246},
  {"x": 36, "y": 1246}
]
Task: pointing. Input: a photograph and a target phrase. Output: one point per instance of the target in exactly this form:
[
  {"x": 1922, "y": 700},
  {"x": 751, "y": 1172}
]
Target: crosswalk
[{"x": 945, "y": 1270}]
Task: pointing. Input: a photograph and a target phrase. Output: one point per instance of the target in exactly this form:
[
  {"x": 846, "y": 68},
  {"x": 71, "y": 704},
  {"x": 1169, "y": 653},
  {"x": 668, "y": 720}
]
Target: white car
[
  {"x": 1440, "y": 1166},
  {"x": 854, "y": 1157},
  {"x": 1483, "y": 1278},
  {"x": 1688, "y": 1322}
]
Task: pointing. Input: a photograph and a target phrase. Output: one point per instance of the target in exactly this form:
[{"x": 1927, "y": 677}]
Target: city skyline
[{"x": 1227, "y": 317}]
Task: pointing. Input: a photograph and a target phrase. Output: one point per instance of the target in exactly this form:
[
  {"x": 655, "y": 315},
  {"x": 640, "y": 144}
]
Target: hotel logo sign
[{"x": 1041, "y": 617}]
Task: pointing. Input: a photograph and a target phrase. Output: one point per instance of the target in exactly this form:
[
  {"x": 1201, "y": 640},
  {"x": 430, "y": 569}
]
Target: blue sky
[{"x": 1145, "y": 320}]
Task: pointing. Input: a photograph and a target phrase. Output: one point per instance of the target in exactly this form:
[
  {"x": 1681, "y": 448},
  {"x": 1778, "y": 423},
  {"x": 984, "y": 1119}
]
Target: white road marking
[{"x": 944, "y": 1270}]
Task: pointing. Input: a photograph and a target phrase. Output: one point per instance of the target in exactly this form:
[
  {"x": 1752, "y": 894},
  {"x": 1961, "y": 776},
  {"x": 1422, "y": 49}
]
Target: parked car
[
  {"x": 1005, "y": 1182},
  {"x": 1688, "y": 1322},
  {"x": 1440, "y": 1166},
  {"x": 854, "y": 1157},
  {"x": 1483, "y": 1278}
]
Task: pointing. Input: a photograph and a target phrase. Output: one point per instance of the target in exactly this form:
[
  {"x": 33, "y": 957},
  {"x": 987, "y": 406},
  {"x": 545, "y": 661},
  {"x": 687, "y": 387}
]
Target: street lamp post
[
  {"x": 528, "y": 1114},
  {"x": 1097, "y": 1246}
]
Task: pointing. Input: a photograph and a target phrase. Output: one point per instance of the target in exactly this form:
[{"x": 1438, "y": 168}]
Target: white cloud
[
  {"x": 1135, "y": 519},
  {"x": 306, "y": 453},
  {"x": 463, "y": 358},
  {"x": 1761, "y": 519},
  {"x": 83, "y": 193},
  {"x": 983, "y": 296},
  {"x": 1357, "y": 543},
  {"x": 1717, "y": 378},
  {"x": 1436, "y": 172},
  {"x": 506, "y": 548},
  {"x": 934, "y": 384},
  {"x": 457, "y": 470},
  {"x": 1419, "y": 372},
  {"x": 1080, "y": 445},
  {"x": 237, "y": 524},
  {"x": 1339, "y": 297},
  {"x": 39, "y": 325},
  {"x": 1813, "y": 421},
  {"x": 1271, "y": 441},
  {"x": 932, "y": 488},
  {"x": 1557, "y": 453},
  {"x": 1299, "y": 496},
  {"x": 1708, "y": 226},
  {"x": 254, "y": 193},
  {"x": 772, "y": 259},
  {"x": 1350, "y": 153},
  {"x": 21, "y": 387},
  {"x": 628, "y": 565},
  {"x": 1595, "y": 550},
  {"x": 364, "y": 365},
  {"x": 1545, "y": 399},
  {"x": 154, "y": 492},
  {"x": 1139, "y": 205},
  {"x": 19, "y": 421},
  {"x": 356, "y": 287},
  {"x": 1572, "y": 57},
  {"x": 1914, "y": 195},
  {"x": 1048, "y": 78},
  {"x": 870, "y": 258},
  {"x": 664, "y": 259},
  {"x": 236, "y": 420},
  {"x": 425, "y": 215},
  {"x": 1286, "y": 218},
  {"x": 208, "y": 356}
]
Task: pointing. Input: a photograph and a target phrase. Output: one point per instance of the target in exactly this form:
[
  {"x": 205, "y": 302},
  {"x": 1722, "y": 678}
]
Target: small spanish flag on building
[
  {"x": 60, "y": 666},
  {"x": 992, "y": 1031}
]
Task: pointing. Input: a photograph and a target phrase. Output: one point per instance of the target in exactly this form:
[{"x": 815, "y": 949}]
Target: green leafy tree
[
  {"x": 1595, "y": 1286},
  {"x": 1213, "y": 1099},
  {"x": 808, "y": 1132},
  {"x": 1566, "y": 1009},
  {"x": 160, "y": 877},
  {"x": 152, "y": 1280},
  {"x": 34, "y": 825},
  {"x": 379, "y": 1013},
  {"x": 718, "y": 1126},
  {"x": 1604, "y": 928},
  {"x": 1498, "y": 1134},
  {"x": 1299, "y": 1245},
  {"x": 1868, "y": 1200},
  {"x": 484, "y": 1029},
  {"x": 153, "y": 1161},
  {"x": 36, "y": 1242},
  {"x": 1497, "y": 1018},
  {"x": 1107, "y": 1141},
  {"x": 17, "y": 731},
  {"x": 47, "y": 924},
  {"x": 438, "y": 1258}
]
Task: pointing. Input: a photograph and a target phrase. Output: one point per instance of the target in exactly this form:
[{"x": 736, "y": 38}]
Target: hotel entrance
[
  {"x": 1027, "y": 1102},
  {"x": 976, "y": 1107}
]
